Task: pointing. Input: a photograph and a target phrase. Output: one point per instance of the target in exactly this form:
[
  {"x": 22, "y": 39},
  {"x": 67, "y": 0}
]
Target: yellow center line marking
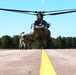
[{"x": 46, "y": 67}]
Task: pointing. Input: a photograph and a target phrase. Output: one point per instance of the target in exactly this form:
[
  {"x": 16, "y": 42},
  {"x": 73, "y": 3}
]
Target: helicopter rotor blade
[
  {"x": 57, "y": 11},
  {"x": 62, "y": 12},
  {"x": 20, "y": 11},
  {"x": 30, "y": 14}
]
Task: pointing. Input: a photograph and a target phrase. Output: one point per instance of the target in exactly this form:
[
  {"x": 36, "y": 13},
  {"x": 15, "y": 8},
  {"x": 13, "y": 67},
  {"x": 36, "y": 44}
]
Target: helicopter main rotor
[{"x": 55, "y": 12}]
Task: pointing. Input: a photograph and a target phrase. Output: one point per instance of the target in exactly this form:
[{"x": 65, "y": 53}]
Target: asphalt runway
[{"x": 27, "y": 62}]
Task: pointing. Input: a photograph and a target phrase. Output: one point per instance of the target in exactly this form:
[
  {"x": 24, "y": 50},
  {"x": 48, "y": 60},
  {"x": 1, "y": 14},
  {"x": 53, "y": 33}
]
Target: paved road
[
  {"x": 27, "y": 62},
  {"x": 63, "y": 61}
]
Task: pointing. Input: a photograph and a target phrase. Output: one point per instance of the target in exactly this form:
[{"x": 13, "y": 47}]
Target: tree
[
  {"x": 0, "y": 43},
  {"x": 16, "y": 41},
  {"x": 69, "y": 42},
  {"x": 73, "y": 42},
  {"x": 59, "y": 42},
  {"x": 7, "y": 42},
  {"x": 63, "y": 42}
]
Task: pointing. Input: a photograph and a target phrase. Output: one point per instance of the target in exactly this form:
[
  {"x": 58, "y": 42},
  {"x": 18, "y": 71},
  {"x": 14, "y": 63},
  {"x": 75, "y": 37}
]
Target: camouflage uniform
[{"x": 21, "y": 41}]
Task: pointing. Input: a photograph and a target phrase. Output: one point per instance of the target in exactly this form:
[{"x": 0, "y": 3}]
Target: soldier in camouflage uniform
[{"x": 21, "y": 41}]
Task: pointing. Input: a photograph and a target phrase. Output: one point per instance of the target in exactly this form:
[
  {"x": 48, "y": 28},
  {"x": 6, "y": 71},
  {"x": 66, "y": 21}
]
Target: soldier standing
[{"x": 21, "y": 41}]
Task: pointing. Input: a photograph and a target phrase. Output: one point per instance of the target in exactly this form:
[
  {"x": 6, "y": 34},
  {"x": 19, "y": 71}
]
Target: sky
[{"x": 14, "y": 23}]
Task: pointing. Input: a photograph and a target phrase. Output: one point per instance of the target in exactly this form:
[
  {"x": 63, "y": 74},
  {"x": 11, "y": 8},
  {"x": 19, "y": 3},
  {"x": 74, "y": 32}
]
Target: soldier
[{"x": 21, "y": 40}]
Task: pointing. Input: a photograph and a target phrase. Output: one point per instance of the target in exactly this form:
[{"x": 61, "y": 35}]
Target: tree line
[{"x": 8, "y": 42}]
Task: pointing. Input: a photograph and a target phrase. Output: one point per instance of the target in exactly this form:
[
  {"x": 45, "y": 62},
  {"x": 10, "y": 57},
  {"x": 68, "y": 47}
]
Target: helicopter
[
  {"x": 40, "y": 33},
  {"x": 44, "y": 13}
]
